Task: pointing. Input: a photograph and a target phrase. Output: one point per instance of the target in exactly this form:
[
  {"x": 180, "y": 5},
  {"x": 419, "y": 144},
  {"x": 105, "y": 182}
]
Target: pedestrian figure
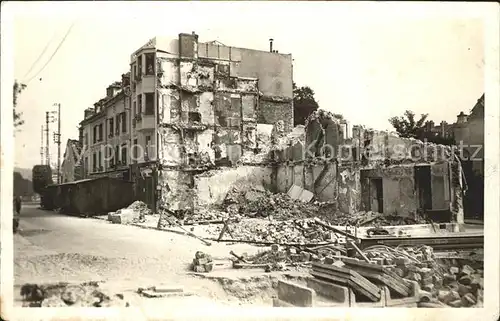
[{"x": 17, "y": 204}]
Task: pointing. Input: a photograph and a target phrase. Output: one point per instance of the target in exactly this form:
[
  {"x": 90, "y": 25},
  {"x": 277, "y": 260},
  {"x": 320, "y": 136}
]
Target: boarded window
[{"x": 150, "y": 104}]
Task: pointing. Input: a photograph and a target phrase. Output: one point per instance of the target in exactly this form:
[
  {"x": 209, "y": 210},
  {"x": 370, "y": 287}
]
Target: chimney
[
  {"x": 88, "y": 112},
  {"x": 271, "y": 45},
  {"x": 461, "y": 118}
]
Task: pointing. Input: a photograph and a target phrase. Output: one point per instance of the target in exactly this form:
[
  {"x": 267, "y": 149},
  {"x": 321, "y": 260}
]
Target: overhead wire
[
  {"x": 41, "y": 54},
  {"x": 55, "y": 52}
]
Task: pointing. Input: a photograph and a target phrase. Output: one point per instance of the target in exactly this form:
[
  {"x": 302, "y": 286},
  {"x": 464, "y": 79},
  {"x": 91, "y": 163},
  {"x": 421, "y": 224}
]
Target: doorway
[
  {"x": 424, "y": 187},
  {"x": 376, "y": 195}
]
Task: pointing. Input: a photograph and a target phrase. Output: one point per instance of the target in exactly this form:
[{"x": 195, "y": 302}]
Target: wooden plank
[
  {"x": 355, "y": 278},
  {"x": 392, "y": 284},
  {"x": 355, "y": 287},
  {"x": 352, "y": 262}
]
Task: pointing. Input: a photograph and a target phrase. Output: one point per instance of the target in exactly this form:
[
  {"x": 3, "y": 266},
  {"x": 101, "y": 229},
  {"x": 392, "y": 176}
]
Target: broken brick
[
  {"x": 465, "y": 280},
  {"x": 199, "y": 269},
  {"x": 208, "y": 267},
  {"x": 428, "y": 287},
  {"x": 467, "y": 270},
  {"x": 456, "y": 303},
  {"x": 454, "y": 270},
  {"x": 448, "y": 278},
  {"x": 329, "y": 260},
  {"x": 469, "y": 300},
  {"x": 463, "y": 289}
]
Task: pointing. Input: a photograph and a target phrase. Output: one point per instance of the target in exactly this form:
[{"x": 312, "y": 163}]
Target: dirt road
[{"x": 52, "y": 247}]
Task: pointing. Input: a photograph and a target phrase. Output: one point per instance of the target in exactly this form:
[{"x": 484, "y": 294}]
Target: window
[
  {"x": 117, "y": 154},
  {"x": 134, "y": 152},
  {"x": 194, "y": 117},
  {"x": 139, "y": 67},
  {"x": 148, "y": 143},
  {"x": 150, "y": 104},
  {"x": 150, "y": 63},
  {"x": 124, "y": 121},
  {"x": 94, "y": 136},
  {"x": 134, "y": 71},
  {"x": 100, "y": 160},
  {"x": 117, "y": 128},
  {"x": 124, "y": 155},
  {"x": 100, "y": 132},
  {"x": 111, "y": 123},
  {"x": 139, "y": 104},
  {"x": 94, "y": 162},
  {"x": 134, "y": 108}
]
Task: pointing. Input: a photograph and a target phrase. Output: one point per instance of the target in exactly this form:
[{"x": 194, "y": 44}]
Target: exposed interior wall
[
  {"x": 212, "y": 186},
  {"x": 210, "y": 104}
]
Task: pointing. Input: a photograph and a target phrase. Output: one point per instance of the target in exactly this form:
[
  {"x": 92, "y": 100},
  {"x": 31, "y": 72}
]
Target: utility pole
[
  {"x": 41, "y": 148},
  {"x": 47, "y": 155},
  {"x": 57, "y": 140},
  {"x": 58, "y": 143}
]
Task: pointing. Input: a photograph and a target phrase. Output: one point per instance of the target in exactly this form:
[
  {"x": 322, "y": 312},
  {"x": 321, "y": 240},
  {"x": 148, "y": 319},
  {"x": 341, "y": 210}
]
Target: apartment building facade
[{"x": 106, "y": 133}]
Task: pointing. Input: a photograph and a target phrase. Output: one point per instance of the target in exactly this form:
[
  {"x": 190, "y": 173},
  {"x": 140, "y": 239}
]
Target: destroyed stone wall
[
  {"x": 386, "y": 157},
  {"x": 209, "y": 114}
]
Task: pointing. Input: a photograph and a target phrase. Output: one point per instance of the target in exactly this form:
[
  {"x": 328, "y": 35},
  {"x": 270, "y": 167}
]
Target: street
[{"x": 51, "y": 247}]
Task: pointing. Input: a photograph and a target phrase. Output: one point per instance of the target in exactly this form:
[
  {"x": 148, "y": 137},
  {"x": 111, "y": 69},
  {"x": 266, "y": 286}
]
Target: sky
[{"x": 367, "y": 62}]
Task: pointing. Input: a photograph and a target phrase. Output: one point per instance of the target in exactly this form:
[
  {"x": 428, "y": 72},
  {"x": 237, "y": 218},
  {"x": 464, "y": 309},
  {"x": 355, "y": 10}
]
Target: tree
[
  {"x": 22, "y": 186},
  {"x": 406, "y": 126},
  {"x": 17, "y": 89},
  {"x": 304, "y": 104}
]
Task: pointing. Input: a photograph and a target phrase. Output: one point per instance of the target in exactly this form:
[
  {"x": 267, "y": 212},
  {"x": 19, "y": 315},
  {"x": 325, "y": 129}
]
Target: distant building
[
  {"x": 71, "y": 167},
  {"x": 469, "y": 130}
]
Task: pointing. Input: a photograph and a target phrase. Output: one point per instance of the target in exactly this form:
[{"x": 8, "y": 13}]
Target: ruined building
[{"x": 197, "y": 106}]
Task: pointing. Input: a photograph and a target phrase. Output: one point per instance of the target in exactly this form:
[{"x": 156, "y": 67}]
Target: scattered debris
[
  {"x": 162, "y": 291},
  {"x": 202, "y": 263},
  {"x": 64, "y": 295}
]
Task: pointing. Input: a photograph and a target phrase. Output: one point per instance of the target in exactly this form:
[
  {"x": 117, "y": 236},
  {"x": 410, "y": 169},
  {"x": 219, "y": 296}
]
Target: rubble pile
[
  {"x": 69, "y": 295},
  {"x": 140, "y": 207},
  {"x": 202, "y": 262},
  {"x": 281, "y": 232},
  {"x": 452, "y": 282},
  {"x": 280, "y": 206}
]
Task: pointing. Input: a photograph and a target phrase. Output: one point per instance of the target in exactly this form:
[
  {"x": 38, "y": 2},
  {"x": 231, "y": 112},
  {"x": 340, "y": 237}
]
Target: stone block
[
  {"x": 329, "y": 290},
  {"x": 448, "y": 278},
  {"x": 277, "y": 303},
  {"x": 465, "y": 280},
  {"x": 469, "y": 300},
  {"x": 467, "y": 270},
  {"x": 463, "y": 289},
  {"x": 295, "y": 294},
  {"x": 168, "y": 289},
  {"x": 329, "y": 260},
  {"x": 454, "y": 270}
]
